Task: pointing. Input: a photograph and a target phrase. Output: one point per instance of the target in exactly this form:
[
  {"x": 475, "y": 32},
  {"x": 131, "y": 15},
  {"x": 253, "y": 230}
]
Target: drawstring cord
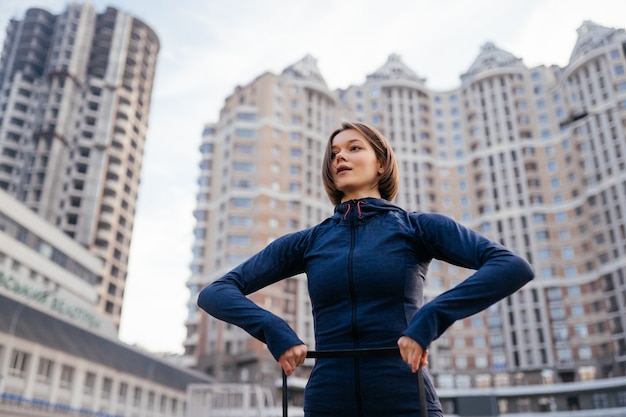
[
  {"x": 347, "y": 211},
  {"x": 358, "y": 209}
]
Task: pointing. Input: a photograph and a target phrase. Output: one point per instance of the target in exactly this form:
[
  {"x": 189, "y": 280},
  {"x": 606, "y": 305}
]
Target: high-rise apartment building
[
  {"x": 531, "y": 157},
  {"x": 259, "y": 180},
  {"x": 75, "y": 92}
]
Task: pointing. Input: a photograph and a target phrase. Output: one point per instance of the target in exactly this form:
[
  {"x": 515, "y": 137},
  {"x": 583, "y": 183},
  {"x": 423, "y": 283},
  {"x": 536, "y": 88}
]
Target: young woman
[{"x": 366, "y": 266}]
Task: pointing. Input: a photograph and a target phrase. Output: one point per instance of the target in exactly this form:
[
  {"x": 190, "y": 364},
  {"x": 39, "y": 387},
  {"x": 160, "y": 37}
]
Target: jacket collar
[{"x": 362, "y": 209}]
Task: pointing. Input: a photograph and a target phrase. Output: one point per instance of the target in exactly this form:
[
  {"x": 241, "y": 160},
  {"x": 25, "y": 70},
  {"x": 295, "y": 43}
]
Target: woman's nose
[{"x": 339, "y": 156}]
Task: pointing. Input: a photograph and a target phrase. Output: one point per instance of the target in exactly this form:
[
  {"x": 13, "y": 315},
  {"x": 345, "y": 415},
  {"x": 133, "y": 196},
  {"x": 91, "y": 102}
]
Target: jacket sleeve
[
  {"x": 226, "y": 298},
  {"x": 498, "y": 273}
]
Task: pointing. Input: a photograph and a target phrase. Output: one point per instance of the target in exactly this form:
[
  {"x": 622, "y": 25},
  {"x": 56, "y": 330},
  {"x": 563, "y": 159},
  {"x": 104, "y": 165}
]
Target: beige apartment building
[
  {"x": 531, "y": 157},
  {"x": 59, "y": 355},
  {"x": 75, "y": 91}
]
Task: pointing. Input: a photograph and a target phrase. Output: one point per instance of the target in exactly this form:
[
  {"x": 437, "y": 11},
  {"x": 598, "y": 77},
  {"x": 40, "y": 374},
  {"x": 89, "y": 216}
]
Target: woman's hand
[
  {"x": 412, "y": 353},
  {"x": 292, "y": 357}
]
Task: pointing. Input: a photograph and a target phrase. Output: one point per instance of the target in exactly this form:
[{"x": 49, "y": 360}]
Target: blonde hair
[{"x": 388, "y": 182}]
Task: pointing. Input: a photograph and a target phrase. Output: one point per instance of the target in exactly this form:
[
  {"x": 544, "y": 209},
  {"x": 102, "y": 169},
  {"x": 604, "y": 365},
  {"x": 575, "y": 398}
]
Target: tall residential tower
[
  {"x": 75, "y": 93},
  {"x": 531, "y": 157}
]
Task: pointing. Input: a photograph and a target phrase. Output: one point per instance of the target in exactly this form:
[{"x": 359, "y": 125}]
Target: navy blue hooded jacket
[{"x": 365, "y": 268}]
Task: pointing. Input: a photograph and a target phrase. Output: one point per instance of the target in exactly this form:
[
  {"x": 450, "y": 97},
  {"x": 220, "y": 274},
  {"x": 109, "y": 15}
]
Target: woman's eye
[{"x": 356, "y": 148}]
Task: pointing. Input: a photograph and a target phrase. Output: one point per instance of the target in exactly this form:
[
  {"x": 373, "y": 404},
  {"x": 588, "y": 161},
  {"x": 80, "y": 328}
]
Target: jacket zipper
[{"x": 355, "y": 335}]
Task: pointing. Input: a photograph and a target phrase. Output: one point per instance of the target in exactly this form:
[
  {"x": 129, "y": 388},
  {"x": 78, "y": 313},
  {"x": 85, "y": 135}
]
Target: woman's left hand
[{"x": 412, "y": 353}]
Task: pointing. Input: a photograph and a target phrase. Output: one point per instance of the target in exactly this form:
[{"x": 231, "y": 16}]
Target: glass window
[
  {"x": 44, "y": 370},
  {"x": 578, "y": 310},
  {"x": 239, "y": 166},
  {"x": 544, "y": 253},
  {"x": 461, "y": 362},
  {"x": 246, "y": 133},
  {"x": 241, "y": 202},
  {"x": 67, "y": 376},
  {"x": 581, "y": 330},
  {"x": 240, "y": 221},
  {"x": 564, "y": 354},
  {"x": 246, "y": 116},
  {"x": 567, "y": 252},
  {"x": 481, "y": 361},
  {"x": 555, "y": 294},
  {"x": 552, "y": 166}
]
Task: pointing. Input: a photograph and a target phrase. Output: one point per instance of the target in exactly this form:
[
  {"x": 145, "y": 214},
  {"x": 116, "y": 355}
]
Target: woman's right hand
[
  {"x": 412, "y": 353},
  {"x": 292, "y": 357}
]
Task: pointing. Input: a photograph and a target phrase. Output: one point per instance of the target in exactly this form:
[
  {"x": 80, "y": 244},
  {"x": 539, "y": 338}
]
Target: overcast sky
[{"x": 208, "y": 47}]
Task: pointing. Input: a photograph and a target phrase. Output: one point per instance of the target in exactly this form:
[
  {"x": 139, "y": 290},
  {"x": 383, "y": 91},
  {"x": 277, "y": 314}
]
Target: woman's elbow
[
  {"x": 524, "y": 270},
  {"x": 205, "y": 297}
]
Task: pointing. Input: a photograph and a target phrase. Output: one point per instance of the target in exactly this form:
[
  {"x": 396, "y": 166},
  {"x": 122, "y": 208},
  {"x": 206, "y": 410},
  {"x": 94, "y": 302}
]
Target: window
[
  {"x": 90, "y": 383},
  {"x": 246, "y": 133},
  {"x": 557, "y": 313},
  {"x": 567, "y": 252},
  {"x": 564, "y": 354},
  {"x": 207, "y": 148},
  {"x": 19, "y": 364},
  {"x": 246, "y": 116},
  {"x": 243, "y": 166},
  {"x": 481, "y": 361},
  {"x": 240, "y": 221},
  {"x": 137, "y": 397},
  {"x": 67, "y": 377},
  {"x": 600, "y": 400},
  {"x": 554, "y": 294},
  {"x": 240, "y": 202},
  {"x": 578, "y": 310},
  {"x": 107, "y": 385},
  {"x": 581, "y": 330},
  {"x": 244, "y": 148},
  {"x": 239, "y": 240},
  {"x": 244, "y": 184},
  {"x": 461, "y": 362},
  {"x": 123, "y": 392},
  {"x": 295, "y": 152},
  {"x": 151, "y": 396},
  {"x": 44, "y": 370}
]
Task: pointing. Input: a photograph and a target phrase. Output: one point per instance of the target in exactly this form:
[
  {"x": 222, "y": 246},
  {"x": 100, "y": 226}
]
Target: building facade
[
  {"x": 259, "y": 180},
  {"x": 531, "y": 157},
  {"x": 74, "y": 104},
  {"x": 59, "y": 355}
]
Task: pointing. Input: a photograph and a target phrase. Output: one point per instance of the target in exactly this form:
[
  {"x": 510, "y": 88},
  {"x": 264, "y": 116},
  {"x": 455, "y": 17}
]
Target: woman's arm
[
  {"x": 226, "y": 298},
  {"x": 499, "y": 273}
]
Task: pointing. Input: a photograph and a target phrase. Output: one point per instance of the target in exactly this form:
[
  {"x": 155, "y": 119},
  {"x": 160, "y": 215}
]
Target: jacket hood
[{"x": 363, "y": 208}]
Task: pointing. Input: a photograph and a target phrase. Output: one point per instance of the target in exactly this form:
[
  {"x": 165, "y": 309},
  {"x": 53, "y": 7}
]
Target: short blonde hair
[{"x": 388, "y": 182}]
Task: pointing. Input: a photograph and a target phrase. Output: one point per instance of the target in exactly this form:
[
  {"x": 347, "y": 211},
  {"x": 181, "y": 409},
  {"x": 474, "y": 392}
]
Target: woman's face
[{"x": 354, "y": 166}]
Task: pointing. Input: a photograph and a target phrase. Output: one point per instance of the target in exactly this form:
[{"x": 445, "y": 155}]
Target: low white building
[{"x": 57, "y": 354}]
